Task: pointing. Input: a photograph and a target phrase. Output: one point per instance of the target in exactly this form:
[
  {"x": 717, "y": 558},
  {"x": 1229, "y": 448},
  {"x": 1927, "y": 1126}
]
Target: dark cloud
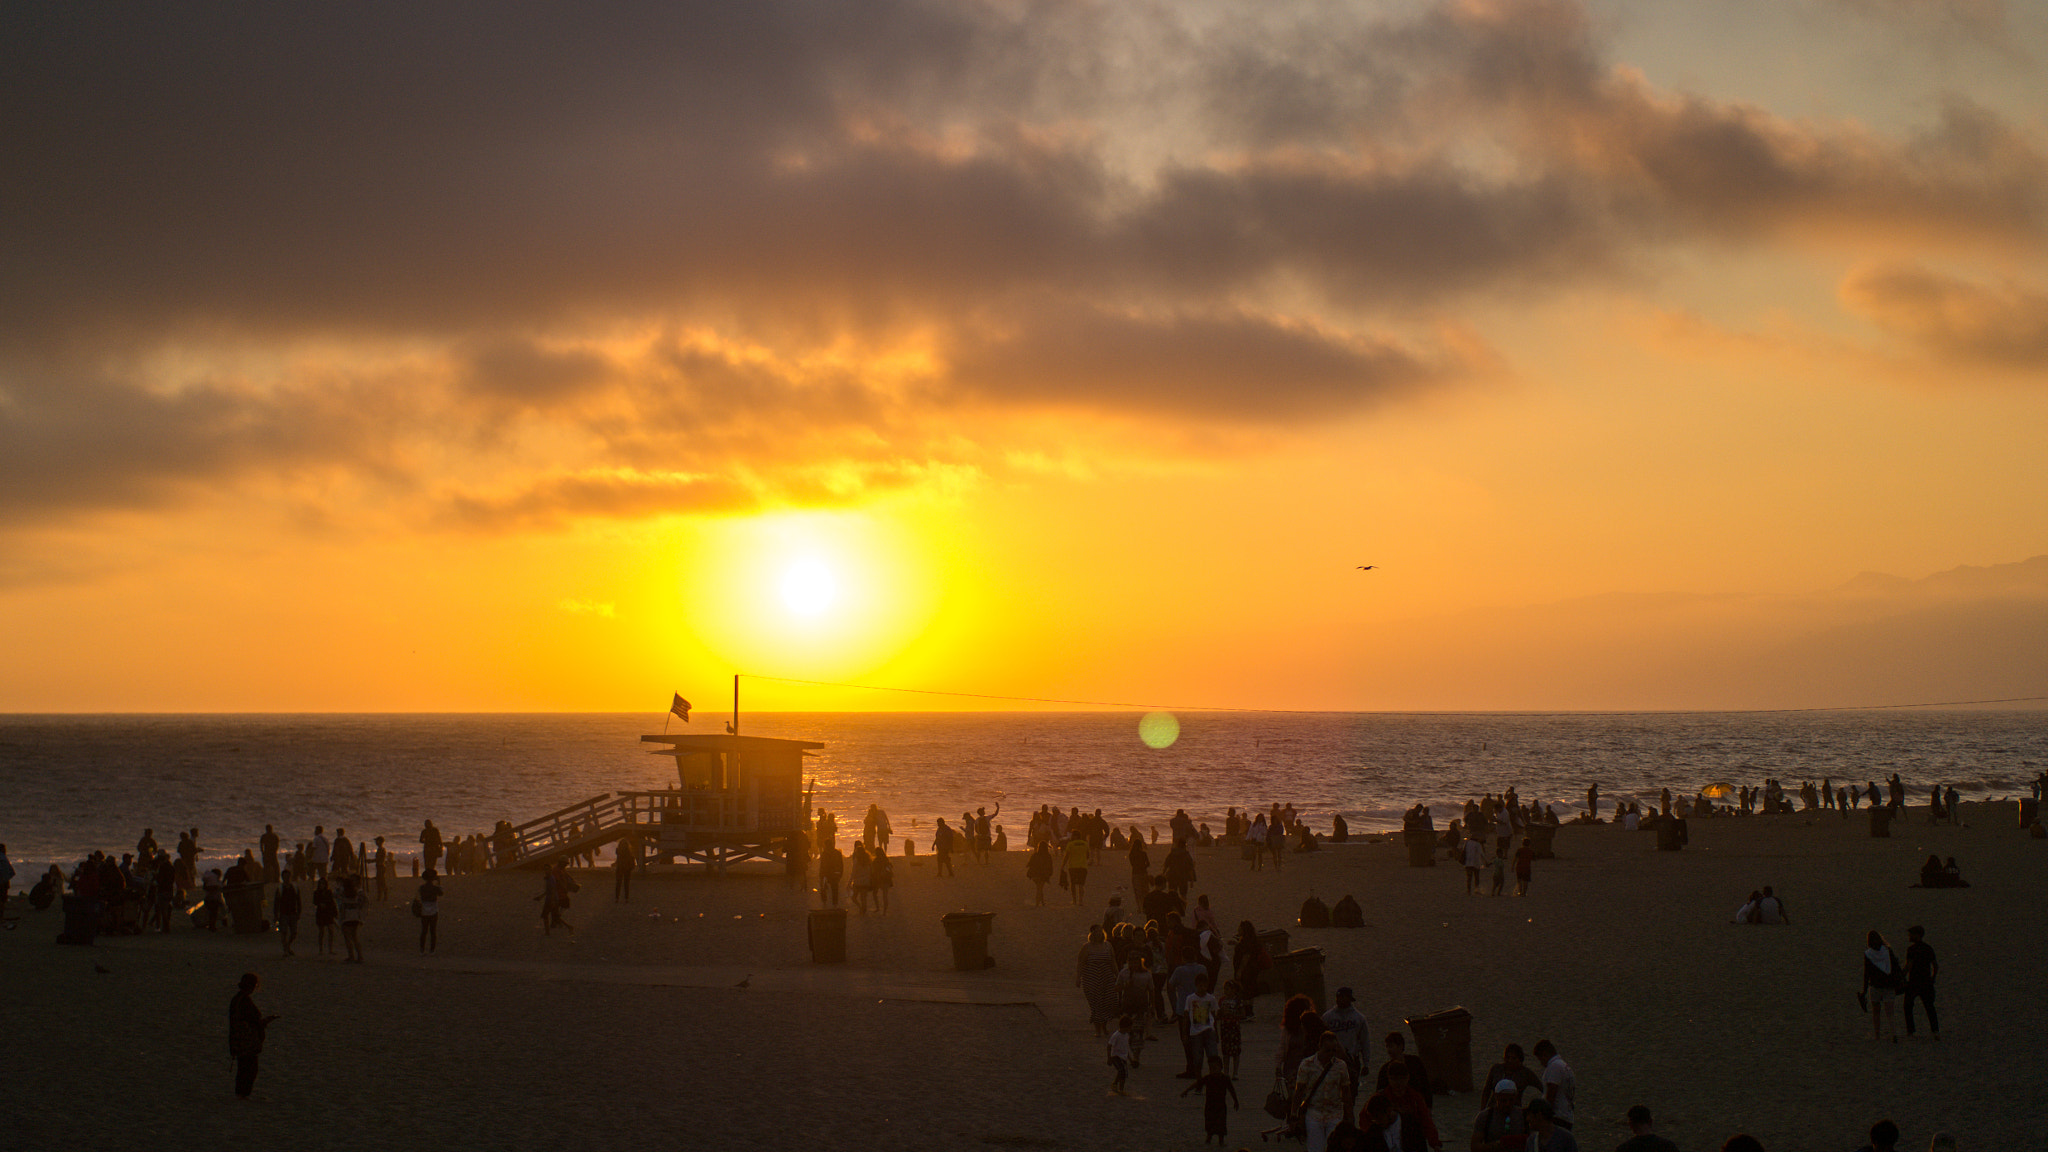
[
  {"x": 1232, "y": 366},
  {"x": 2004, "y": 324},
  {"x": 1124, "y": 208}
]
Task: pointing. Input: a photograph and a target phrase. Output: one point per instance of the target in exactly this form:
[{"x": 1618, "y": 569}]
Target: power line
[{"x": 1341, "y": 712}]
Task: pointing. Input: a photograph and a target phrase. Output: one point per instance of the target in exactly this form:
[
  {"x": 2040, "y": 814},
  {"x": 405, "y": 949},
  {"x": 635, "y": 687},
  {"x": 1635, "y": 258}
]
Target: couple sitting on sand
[
  {"x": 1763, "y": 908},
  {"x": 1935, "y": 874}
]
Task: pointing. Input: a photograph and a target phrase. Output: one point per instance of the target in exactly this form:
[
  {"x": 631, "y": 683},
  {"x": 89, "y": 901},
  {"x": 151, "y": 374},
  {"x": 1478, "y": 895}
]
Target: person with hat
[
  {"x": 1349, "y": 1024},
  {"x": 1501, "y": 1125}
]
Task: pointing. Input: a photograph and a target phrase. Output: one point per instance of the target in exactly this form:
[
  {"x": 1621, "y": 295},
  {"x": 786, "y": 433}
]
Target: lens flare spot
[{"x": 1159, "y": 729}]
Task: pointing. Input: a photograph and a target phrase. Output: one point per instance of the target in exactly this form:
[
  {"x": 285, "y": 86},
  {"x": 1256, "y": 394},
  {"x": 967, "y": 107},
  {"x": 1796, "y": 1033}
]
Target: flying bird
[{"x": 1367, "y": 567}]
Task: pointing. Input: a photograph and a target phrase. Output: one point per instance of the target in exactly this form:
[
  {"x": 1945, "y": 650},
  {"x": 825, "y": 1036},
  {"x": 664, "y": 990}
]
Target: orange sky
[{"x": 417, "y": 361}]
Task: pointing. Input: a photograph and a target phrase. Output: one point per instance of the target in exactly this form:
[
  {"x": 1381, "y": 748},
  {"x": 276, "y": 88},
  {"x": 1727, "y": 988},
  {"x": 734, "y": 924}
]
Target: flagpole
[{"x": 735, "y": 703}]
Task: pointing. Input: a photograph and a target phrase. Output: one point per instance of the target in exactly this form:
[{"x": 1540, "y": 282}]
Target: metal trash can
[
  {"x": 969, "y": 933},
  {"x": 1421, "y": 848},
  {"x": 1881, "y": 821},
  {"x": 245, "y": 909},
  {"x": 1444, "y": 1041},
  {"x": 827, "y": 931},
  {"x": 1671, "y": 834},
  {"x": 1541, "y": 837},
  {"x": 1300, "y": 973},
  {"x": 81, "y": 920},
  {"x": 2030, "y": 811}
]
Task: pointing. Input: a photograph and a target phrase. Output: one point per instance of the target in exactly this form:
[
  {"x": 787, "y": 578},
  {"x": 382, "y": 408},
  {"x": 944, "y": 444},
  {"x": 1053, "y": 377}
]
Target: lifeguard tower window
[{"x": 705, "y": 772}]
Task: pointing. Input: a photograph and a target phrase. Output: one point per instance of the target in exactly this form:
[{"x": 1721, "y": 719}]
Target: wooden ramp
[{"x": 666, "y": 826}]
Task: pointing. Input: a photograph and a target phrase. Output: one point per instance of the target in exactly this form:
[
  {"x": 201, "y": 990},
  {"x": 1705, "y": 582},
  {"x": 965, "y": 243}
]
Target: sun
[{"x": 808, "y": 588}]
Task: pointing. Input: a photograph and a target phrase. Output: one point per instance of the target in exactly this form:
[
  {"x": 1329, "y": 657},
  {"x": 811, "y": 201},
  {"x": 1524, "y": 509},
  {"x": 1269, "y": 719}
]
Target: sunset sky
[{"x": 452, "y": 357}]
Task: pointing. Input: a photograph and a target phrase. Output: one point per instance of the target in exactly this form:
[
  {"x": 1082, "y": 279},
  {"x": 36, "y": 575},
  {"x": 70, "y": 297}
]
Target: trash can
[
  {"x": 1541, "y": 837},
  {"x": 1671, "y": 834},
  {"x": 2030, "y": 811},
  {"x": 827, "y": 930},
  {"x": 245, "y": 909},
  {"x": 81, "y": 920},
  {"x": 1274, "y": 941},
  {"x": 1444, "y": 1041},
  {"x": 1300, "y": 973},
  {"x": 969, "y": 933},
  {"x": 1421, "y": 848},
  {"x": 1881, "y": 821}
]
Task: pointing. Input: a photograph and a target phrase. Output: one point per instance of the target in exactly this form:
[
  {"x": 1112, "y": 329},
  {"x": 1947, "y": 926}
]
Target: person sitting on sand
[
  {"x": 1747, "y": 914},
  {"x": 1770, "y": 909},
  {"x": 1952, "y": 876},
  {"x": 1547, "y": 1133},
  {"x": 1931, "y": 873}
]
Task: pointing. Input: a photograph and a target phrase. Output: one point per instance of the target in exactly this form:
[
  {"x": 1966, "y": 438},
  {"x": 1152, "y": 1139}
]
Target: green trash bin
[
  {"x": 969, "y": 933},
  {"x": 827, "y": 931},
  {"x": 1444, "y": 1041}
]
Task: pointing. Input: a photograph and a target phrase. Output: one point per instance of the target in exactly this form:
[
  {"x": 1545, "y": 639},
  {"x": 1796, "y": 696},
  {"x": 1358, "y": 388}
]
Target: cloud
[
  {"x": 546, "y": 263},
  {"x": 2003, "y": 324}
]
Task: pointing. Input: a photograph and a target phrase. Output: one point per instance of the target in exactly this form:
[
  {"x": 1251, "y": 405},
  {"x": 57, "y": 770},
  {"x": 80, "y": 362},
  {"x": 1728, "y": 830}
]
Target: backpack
[
  {"x": 1314, "y": 913},
  {"x": 1347, "y": 914}
]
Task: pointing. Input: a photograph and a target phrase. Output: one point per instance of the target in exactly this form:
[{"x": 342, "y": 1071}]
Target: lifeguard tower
[{"x": 736, "y": 797}]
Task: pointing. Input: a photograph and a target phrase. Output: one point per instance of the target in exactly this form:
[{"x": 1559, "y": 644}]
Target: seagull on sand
[{"x": 745, "y": 983}]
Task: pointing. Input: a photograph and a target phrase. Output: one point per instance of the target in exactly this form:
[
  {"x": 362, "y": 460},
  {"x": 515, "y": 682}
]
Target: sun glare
[
  {"x": 808, "y": 588},
  {"x": 813, "y": 594}
]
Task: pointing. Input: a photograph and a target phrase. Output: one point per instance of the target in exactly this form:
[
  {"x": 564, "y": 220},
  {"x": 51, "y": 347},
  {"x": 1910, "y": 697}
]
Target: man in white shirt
[
  {"x": 1770, "y": 909},
  {"x": 1475, "y": 859},
  {"x": 316, "y": 853},
  {"x": 1559, "y": 1085}
]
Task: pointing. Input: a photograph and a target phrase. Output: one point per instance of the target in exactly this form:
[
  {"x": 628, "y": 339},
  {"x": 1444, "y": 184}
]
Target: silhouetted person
[{"x": 246, "y": 1026}]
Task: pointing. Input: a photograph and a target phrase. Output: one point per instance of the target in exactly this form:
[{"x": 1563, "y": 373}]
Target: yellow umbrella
[{"x": 1717, "y": 791}]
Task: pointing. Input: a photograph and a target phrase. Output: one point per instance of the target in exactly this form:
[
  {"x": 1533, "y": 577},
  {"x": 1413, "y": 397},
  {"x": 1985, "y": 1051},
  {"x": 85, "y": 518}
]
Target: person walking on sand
[
  {"x": 831, "y": 869},
  {"x": 430, "y": 845},
  {"x": 1921, "y": 969},
  {"x": 1883, "y": 974},
  {"x": 884, "y": 876},
  {"x": 354, "y": 902},
  {"x": 1095, "y": 976},
  {"x": 246, "y": 1027},
  {"x": 1214, "y": 1086},
  {"x": 268, "y": 842},
  {"x": 554, "y": 896},
  {"x": 863, "y": 881},
  {"x": 324, "y": 915},
  {"x": 287, "y": 908},
  {"x": 942, "y": 849},
  {"x": 1475, "y": 858},
  {"x": 1120, "y": 1055},
  {"x": 1525, "y": 858},
  {"x": 1077, "y": 868},
  {"x": 1038, "y": 869},
  {"x": 1322, "y": 1093},
  {"x": 1560, "y": 1085},
  {"x": 317, "y": 853},
  {"x": 429, "y": 899}
]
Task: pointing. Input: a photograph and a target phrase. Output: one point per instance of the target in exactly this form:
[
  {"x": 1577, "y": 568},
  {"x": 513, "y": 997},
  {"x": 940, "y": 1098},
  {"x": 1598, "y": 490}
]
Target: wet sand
[{"x": 631, "y": 1034}]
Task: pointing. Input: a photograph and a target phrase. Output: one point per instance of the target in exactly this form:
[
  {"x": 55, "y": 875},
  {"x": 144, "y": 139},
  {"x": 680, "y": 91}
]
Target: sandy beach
[{"x": 632, "y": 1034}]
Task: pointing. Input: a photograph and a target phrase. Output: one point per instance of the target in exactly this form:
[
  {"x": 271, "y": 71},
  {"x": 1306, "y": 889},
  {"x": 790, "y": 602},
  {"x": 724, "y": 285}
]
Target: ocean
[{"x": 78, "y": 782}]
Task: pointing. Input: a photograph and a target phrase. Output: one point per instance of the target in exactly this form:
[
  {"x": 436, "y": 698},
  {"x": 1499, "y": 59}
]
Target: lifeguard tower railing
[{"x": 679, "y": 823}]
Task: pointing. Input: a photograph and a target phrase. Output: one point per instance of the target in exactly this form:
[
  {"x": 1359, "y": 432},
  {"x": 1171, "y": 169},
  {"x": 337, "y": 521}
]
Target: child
[
  {"x": 1230, "y": 1023},
  {"x": 1215, "y": 1121},
  {"x": 1134, "y": 986},
  {"x": 1120, "y": 1054}
]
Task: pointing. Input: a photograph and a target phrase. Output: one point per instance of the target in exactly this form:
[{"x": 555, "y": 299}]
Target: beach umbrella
[{"x": 1718, "y": 790}]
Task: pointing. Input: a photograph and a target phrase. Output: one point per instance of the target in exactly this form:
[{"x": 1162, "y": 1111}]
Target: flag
[{"x": 681, "y": 708}]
